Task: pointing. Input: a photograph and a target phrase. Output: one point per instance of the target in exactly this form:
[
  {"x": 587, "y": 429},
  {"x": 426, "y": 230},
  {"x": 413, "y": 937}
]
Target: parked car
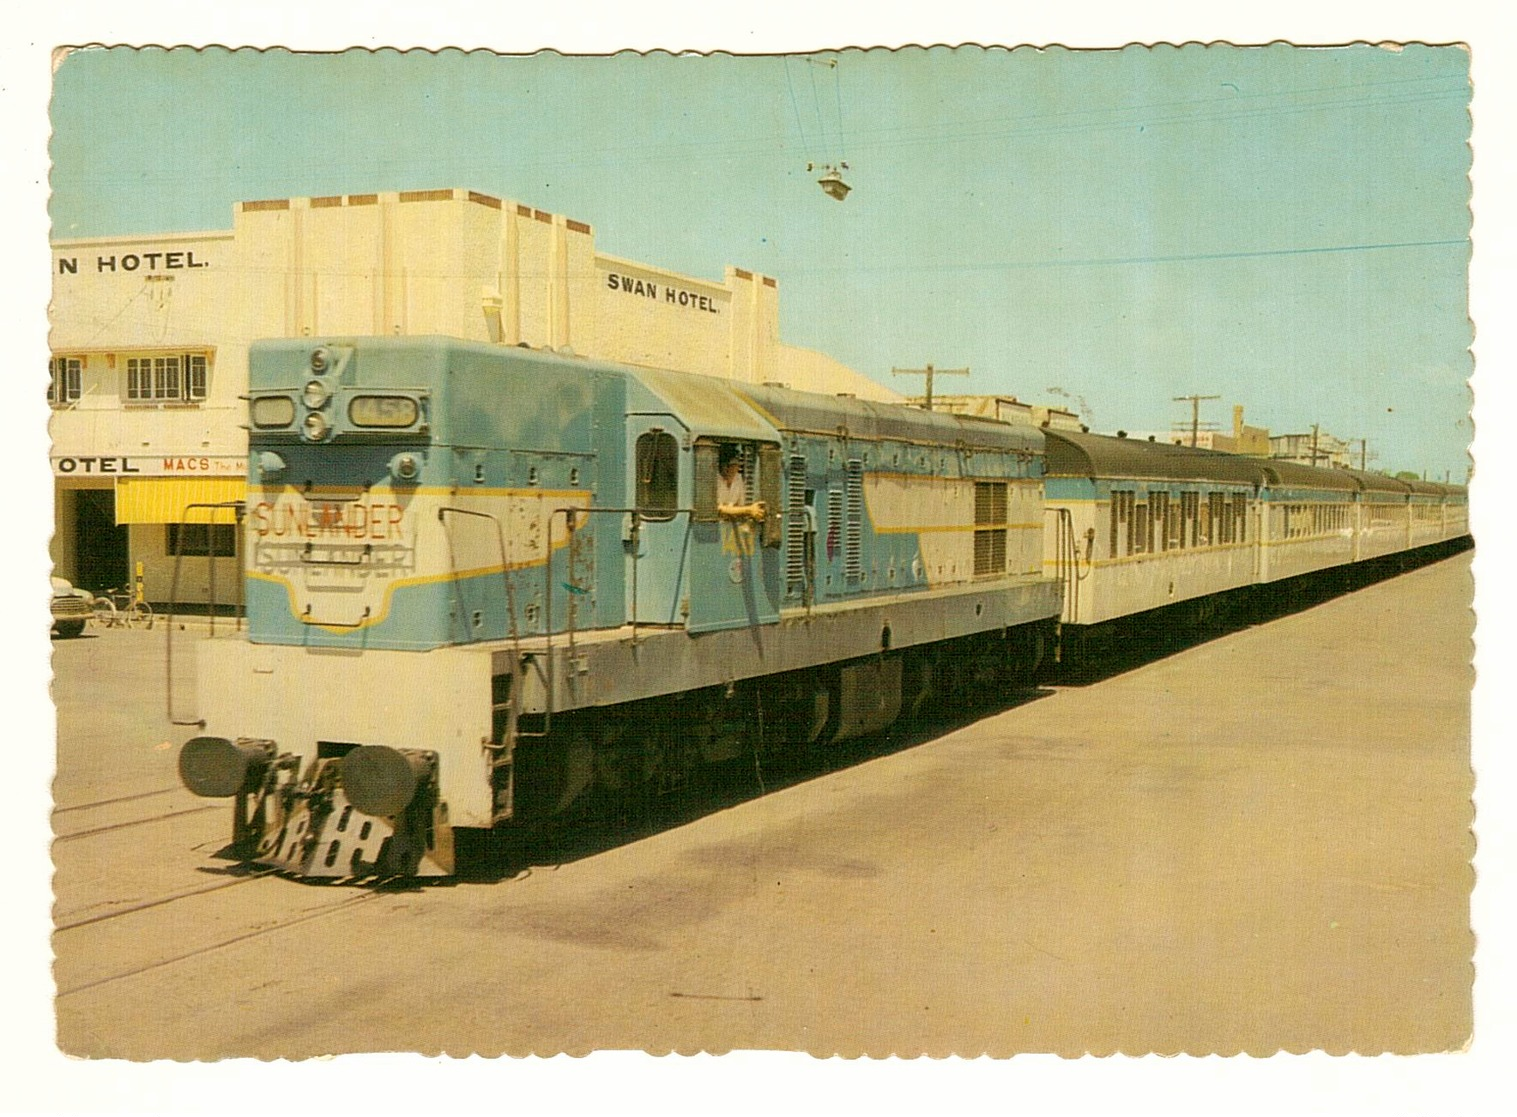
[{"x": 71, "y": 608}]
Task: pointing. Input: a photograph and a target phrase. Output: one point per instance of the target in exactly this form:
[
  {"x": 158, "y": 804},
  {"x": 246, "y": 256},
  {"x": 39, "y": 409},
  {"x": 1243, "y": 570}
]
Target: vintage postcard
[{"x": 943, "y": 551}]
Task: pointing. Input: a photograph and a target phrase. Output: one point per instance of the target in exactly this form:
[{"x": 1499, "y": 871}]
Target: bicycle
[{"x": 118, "y": 608}]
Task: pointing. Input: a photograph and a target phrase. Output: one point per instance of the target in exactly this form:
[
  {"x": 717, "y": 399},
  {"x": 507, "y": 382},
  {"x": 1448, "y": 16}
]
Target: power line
[
  {"x": 1115, "y": 261},
  {"x": 796, "y": 270}
]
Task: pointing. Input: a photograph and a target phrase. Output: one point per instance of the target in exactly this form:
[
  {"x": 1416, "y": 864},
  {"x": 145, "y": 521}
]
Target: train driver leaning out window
[{"x": 731, "y": 490}]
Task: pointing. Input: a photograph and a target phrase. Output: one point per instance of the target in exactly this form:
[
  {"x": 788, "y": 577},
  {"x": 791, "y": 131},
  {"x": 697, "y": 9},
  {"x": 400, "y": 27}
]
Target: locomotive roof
[{"x": 791, "y": 410}]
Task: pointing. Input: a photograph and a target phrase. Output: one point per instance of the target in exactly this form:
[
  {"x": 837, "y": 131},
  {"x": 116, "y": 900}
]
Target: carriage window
[
  {"x": 657, "y": 475},
  {"x": 1190, "y": 515},
  {"x": 1159, "y": 503},
  {"x": 1217, "y": 514},
  {"x": 1121, "y": 528},
  {"x": 1142, "y": 529}
]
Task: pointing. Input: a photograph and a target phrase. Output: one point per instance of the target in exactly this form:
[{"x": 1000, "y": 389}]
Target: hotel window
[
  {"x": 176, "y": 376},
  {"x": 65, "y": 379}
]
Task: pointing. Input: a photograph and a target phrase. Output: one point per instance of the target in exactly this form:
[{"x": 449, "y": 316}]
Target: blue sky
[{"x": 1284, "y": 227}]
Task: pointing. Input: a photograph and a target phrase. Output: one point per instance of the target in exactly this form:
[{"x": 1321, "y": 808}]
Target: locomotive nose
[
  {"x": 216, "y": 767},
  {"x": 382, "y": 781}
]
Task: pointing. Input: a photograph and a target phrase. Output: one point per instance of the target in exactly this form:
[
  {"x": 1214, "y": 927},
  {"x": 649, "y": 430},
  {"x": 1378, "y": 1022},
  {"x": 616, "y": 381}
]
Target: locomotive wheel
[{"x": 553, "y": 772}]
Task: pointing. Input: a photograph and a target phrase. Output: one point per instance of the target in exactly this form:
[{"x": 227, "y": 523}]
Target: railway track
[
  {"x": 262, "y": 930},
  {"x": 112, "y": 802},
  {"x": 129, "y": 823},
  {"x": 74, "y": 809}
]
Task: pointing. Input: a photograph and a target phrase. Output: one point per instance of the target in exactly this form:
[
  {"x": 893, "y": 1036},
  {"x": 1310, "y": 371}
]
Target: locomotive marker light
[
  {"x": 315, "y": 394},
  {"x": 382, "y": 781},
  {"x": 315, "y": 426},
  {"x": 321, "y": 360},
  {"x": 216, "y": 768}
]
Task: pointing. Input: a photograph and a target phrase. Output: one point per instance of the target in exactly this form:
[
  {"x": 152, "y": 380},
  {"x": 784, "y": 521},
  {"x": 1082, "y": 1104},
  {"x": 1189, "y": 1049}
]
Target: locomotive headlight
[
  {"x": 316, "y": 426},
  {"x": 321, "y": 360},
  {"x": 316, "y": 394},
  {"x": 406, "y": 466},
  {"x": 272, "y": 411},
  {"x": 382, "y": 781}
]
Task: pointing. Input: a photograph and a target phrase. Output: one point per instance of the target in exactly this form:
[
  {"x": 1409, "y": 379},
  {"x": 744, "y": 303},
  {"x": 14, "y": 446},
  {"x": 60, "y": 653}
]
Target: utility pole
[
  {"x": 1363, "y": 451},
  {"x": 929, "y": 372},
  {"x": 1195, "y": 414}
]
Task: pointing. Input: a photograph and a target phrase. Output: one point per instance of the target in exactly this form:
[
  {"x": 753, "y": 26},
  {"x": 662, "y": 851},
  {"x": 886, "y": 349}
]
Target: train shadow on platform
[
  {"x": 492, "y": 857},
  {"x": 489, "y": 857},
  {"x": 1124, "y": 645}
]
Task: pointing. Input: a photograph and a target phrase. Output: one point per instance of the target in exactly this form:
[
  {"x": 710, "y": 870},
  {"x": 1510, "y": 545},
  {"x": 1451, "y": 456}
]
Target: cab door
[
  {"x": 736, "y": 575},
  {"x": 657, "y": 540}
]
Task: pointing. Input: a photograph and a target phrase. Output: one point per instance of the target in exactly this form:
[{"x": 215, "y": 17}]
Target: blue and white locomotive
[{"x": 485, "y": 585}]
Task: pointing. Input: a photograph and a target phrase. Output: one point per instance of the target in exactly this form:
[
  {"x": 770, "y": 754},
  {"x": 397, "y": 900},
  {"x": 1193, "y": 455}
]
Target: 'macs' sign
[{"x": 167, "y": 465}]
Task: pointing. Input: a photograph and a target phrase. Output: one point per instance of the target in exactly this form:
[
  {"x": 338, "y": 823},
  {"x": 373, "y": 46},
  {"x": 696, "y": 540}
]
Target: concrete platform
[{"x": 1256, "y": 844}]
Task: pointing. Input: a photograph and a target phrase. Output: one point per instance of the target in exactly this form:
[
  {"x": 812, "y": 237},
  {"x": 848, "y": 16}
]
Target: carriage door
[{"x": 736, "y": 558}]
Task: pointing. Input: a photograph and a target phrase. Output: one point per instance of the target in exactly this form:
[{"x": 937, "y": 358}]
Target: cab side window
[{"x": 657, "y": 475}]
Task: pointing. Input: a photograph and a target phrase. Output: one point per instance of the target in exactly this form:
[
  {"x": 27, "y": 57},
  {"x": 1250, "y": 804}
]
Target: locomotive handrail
[
  {"x": 569, "y": 513},
  {"x": 305, "y": 557},
  {"x": 238, "y": 509},
  {"x": 332, "y": 498},
  {"x": 307, "y": 619}
]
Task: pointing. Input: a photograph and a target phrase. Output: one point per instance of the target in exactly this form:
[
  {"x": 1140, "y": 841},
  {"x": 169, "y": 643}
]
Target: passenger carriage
[{"x": 1136, "y": 525}]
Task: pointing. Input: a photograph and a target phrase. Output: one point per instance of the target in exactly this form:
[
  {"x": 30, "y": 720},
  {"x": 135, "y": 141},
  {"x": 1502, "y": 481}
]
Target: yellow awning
[{"x": 167, "y": 500}]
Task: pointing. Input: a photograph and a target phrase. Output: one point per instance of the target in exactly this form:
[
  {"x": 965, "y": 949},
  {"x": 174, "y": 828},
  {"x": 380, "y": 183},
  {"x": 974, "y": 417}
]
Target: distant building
[
  {"x": 1008, "y": 409},
  {"x": 1312, "y": 448},
  {"x": 1252, "y": 442}
]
